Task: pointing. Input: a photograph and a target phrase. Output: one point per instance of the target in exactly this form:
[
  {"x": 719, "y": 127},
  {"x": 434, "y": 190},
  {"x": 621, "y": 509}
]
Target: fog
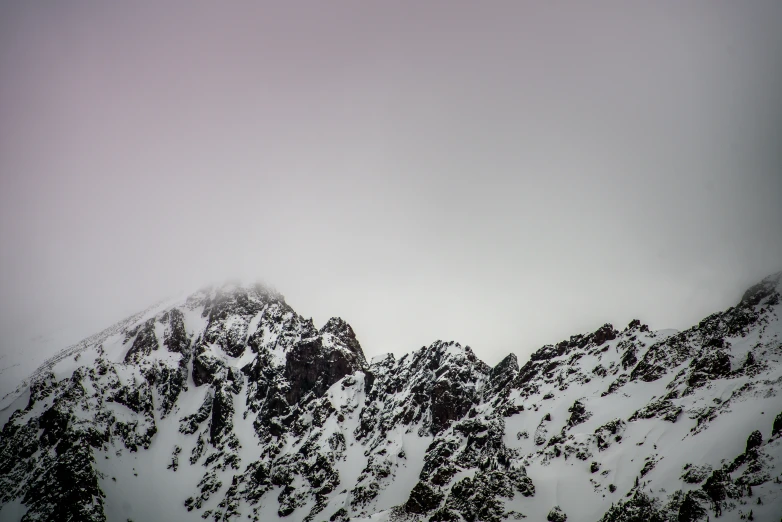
[{"x": 504, "y": 174}]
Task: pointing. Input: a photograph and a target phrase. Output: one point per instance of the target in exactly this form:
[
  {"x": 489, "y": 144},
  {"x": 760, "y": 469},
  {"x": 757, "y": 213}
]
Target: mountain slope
[{"x": 228, "y": 405}]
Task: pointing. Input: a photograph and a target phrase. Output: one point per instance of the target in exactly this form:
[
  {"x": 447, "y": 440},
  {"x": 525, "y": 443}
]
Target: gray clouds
[{"x": 502, "y": 174}]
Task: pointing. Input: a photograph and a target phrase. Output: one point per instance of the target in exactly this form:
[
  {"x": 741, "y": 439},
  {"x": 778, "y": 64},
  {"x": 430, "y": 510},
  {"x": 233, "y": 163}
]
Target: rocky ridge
[{"x": 229, "y": 405}]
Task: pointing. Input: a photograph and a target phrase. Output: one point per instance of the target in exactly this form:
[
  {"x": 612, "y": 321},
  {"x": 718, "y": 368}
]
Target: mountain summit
[{"x": 228, "y": 405}]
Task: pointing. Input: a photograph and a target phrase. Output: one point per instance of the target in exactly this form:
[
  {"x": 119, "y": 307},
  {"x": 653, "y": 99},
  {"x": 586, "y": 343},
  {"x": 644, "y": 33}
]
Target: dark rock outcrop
[
  {"x": 556, "y": 515},
  {"x": 754, "y": 440},
  {"x": 312, "y": 367},
  {"x": 776, "y": 428},
  {"x": 144, "y": 343}
]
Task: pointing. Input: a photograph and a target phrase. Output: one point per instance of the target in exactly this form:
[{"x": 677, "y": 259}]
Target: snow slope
[{"x": 228, "y": 405}]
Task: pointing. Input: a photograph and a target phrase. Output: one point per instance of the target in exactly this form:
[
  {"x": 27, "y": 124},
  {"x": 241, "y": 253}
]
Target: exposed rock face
[
  {"x": 711, "y": 365},
  {"x": 766, "y": 290},
  {"x": 423, "y": 499},
  {"x": 556, "y": 515},
  {"x": 777, "y": 427},
  {"x": 238, "y": 408},
  {"x": 229, "y": 313},
  {"x": 578, "y": 414},
  {"x": 344, "y": 336},
  {"x": 314, "y": 365},
  {"x": 754, "y": 440},
  {"x": 501, "y": 375},
  {"x": 144, "y": 342},
  {"x": 692, "y": 508}
]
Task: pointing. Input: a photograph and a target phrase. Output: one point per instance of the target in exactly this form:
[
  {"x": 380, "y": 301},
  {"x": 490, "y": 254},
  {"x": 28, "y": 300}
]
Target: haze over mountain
[{"x": 500, "y": 174}]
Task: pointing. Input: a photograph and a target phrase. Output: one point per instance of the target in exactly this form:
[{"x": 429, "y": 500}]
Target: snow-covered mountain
[{"x": 228, "y": 405}]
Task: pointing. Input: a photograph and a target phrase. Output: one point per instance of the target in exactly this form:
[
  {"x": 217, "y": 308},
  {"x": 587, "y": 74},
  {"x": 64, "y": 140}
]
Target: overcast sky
[{"x": 504, "y": 174}]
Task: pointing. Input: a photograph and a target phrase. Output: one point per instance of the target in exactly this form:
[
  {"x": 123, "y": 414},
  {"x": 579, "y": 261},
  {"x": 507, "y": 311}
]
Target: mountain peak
[
  {"x": 345, "y": 336},
  {"x": 769, "y": 288},
  {"x": 228, "y": 405}
]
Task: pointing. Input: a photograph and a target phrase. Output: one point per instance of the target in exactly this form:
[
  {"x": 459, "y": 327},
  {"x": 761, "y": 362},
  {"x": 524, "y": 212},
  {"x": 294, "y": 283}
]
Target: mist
[{"x": 504, "y": 174}]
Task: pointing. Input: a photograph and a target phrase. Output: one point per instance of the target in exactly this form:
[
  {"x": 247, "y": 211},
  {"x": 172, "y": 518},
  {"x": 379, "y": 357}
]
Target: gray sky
[{"x": 504, "y": 174}]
